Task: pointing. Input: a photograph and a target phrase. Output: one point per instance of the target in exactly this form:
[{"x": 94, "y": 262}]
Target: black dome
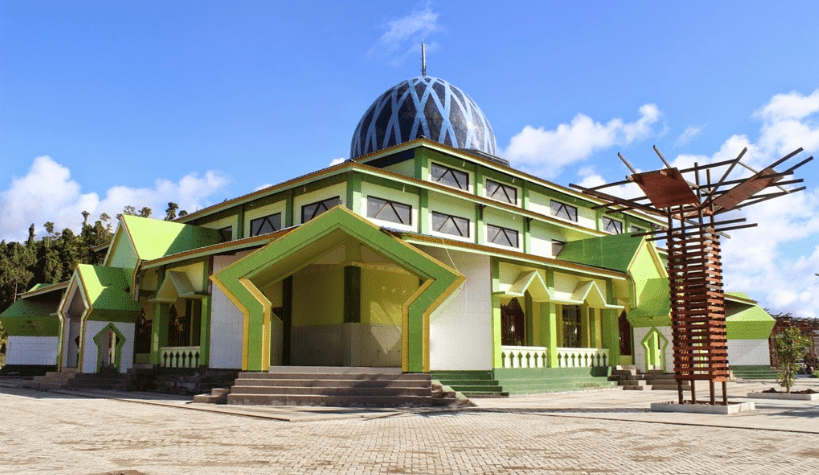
[{"x": 423, "y": 106}]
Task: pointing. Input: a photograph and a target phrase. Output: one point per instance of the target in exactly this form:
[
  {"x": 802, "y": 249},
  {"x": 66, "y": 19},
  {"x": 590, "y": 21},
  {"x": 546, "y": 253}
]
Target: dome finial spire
[{"x": 423, "y": 59}]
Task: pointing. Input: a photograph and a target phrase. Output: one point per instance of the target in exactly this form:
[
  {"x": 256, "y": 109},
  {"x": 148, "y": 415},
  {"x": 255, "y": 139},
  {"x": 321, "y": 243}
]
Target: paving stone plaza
[{"x": 604, "y": 431}]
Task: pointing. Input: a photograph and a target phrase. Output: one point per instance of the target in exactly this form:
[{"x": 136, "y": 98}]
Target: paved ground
[{"x": 590, "y": 432}]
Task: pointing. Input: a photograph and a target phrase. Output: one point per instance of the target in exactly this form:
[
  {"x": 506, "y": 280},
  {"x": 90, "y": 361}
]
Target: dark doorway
[
  {"x": 512, "y": 324},
  {"x": 625, "y": 336}
]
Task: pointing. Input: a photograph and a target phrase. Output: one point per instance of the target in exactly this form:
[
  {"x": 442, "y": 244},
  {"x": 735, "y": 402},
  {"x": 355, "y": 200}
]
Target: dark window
[
  {"x": 265, "y": 224},
  {"x": 500, "y": 192},
  {"x": 226, "y": 234},
  {"x": 612, "y": 226},
  {"x": 562, "y": 210},
  {"x": 571, "y": 326},
  {"x": 449, "y": 177},
  {"x": 444, "y": 223},
  {"x": 389, "y": 211},
  {"x": 557, "y": 246},
  {"x": 502, "y": 236},
  {"x": 312, "y": 210}
]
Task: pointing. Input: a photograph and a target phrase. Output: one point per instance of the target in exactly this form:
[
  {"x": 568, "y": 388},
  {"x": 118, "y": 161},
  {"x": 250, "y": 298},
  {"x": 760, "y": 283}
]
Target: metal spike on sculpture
[{"x": 692, "y": 236}]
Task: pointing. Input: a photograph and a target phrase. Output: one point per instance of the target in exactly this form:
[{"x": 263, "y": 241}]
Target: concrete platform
[{"x": 731, "y": 408}]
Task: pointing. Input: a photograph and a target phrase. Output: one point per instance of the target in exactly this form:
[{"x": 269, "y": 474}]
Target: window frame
[
  {"x": 223, "y": 231},
  {"x": 392, "y": 204},
  {"x": 501, "y": 186},
  {"x": 452, "y": 217},
  {"x": 563, "y": 206},
  {"x": 336, "y": 200},
  {"x": 504, "y": 231},
  {"x": 261, "y": 219},
  {"x": 612, "y": 221},
  {"x": 451, "y": 171}
]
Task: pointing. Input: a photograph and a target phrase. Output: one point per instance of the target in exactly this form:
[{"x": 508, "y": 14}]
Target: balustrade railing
[
  {"x": 524, "y": 356},
  {"x": 179, "y": 357},
  {"x": 582, "y": 357}
]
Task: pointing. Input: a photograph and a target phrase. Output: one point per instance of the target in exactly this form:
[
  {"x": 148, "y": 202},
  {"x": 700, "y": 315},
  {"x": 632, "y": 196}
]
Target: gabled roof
[
  {"x": 106, "y": 290},
  {"x": 46, "y": 291},
  {"x": 614, "y": 252},
  {"x": 153, "y": 238},
  {"x": 31, "y": 318}
]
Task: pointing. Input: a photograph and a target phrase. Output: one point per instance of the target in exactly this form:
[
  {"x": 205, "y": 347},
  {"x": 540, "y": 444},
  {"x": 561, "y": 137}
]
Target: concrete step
[
  {"x": 340, "y": 401},
  {"x": 333, "y": 383},
  {"x": 325, "y": 391},
  {"x": 337, "y": 376}
]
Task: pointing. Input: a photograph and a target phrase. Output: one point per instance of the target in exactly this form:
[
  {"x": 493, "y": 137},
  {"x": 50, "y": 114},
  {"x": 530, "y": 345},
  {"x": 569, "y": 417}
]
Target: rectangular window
[
  {"x": 265, "y": 224},
  {"x": 562, "y": 210},
  {"x": 502, "y": 236},
  {"x": 505, "y": 193},
  {"x": 312, "y": 210},
  {"x": 557, "y": 246},
  {"x": 571, "y": 326},
  {"x": 444, "y": 223},
  {"x": 449, "y": 177},
  {"x": 612, "y": 226},
  {"x": 226, "y": 234},
  {"x": 389, "y": 211}
]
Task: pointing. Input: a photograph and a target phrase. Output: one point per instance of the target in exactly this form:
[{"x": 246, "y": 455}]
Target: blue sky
[{"x": 104, "y": 104}]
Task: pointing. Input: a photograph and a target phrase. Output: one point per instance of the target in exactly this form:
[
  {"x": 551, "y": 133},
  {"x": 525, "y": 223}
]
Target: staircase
[
  {"x": 548, "y": 380},
  {"x": 471, "y": 383},
  {"x": 629, "y": 378},
  {"x": 69, "y": 379},
  {"x": 754, "y": 372},
  {"x": 338, "y": 386}
]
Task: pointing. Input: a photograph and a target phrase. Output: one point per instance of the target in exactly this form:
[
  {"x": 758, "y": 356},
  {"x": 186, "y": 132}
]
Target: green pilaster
[
  {"x": 548, "y": 314},
  {"x": 240, "y": 224},
  {"x": 478, "y": 181},
  {"x": 529, "y": 319},
  {"x": 611, "y": 335},
  {"x": 423, "y": 211},
  {"x": 204, "y": 335},
  {"x": 159, "y": 330},
  {"x": 354, "y": 193},
  {"x": 352, "y": 294},
  {"x": 598, "y": 215},
  {"x": 480, "y": 233},
  {"x": 421, "y": 164},
  {"x": 288, "y": 209},
  {"x": 524, "y": 195}
]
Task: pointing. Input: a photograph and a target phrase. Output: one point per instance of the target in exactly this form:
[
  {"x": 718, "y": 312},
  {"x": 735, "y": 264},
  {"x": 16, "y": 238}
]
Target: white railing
[
  {"x": 179, "y": 357},
  {"x": 582, "y": 357},
  {"x": 524, "y": 356}
]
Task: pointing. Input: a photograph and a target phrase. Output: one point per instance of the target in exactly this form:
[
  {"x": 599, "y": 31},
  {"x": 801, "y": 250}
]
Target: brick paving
[{"x": 62, "y": 434}]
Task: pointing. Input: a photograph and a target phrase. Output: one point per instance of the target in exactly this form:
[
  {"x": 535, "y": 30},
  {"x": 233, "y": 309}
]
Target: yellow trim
[
  {"x": 266, "y": 309},
  {"x": 245, "y": 318},
  {"x": 405, "y": 323}
]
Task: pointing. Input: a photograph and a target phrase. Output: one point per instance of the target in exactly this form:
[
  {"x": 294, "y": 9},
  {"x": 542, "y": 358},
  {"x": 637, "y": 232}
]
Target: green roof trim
[
  {"x": 107, "y": 290},
  {"x": 154, "y": 238},
  {"x": 613, "y": 252},
  {"x": 31, "y": 318}
]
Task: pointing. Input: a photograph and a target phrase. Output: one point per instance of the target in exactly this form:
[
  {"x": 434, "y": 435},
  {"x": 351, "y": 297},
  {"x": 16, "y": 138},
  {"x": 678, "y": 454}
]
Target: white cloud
[
  {"x": 337, "y": 161},
  {"x": 402, "y": 35},
  {"x": 47, "y": 193},
  {"x": 689, "y": 134},
  {"x": 547, "y": 152}
]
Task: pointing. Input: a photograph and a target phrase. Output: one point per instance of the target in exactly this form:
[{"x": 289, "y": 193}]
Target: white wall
[
  {"x": 460, "y": 332},
  {"x": 92, "y": 327},
  {"x": 31, "y": 350},
  {"x": 640, "y": 351},
  {"x": 226, "y": 324},
  {"x": 748, "y": 352}
]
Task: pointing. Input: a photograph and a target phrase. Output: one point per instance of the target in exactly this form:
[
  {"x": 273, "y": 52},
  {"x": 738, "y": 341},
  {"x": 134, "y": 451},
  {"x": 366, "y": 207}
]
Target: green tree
[
  {"x": 170, "y": 213},
  {"x": 790, "y": 346}
]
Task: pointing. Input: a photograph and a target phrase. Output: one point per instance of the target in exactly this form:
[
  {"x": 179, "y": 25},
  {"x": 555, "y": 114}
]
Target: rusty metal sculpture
[{"x": 692, "y": 237}]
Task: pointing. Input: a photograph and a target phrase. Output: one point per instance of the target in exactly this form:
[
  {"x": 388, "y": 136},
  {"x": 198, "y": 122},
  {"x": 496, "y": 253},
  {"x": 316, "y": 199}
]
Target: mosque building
[{"x": 424, "y": 252}]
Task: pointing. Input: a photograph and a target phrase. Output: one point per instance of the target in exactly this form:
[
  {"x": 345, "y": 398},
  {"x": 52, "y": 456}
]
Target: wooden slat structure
[{"x": 693, "y": 236}]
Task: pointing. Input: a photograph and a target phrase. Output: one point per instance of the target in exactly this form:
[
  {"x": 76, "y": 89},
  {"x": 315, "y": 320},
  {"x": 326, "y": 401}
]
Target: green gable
[
  {"x": 31, "y": 318},
  {"x": 613, "y": 252},
  {"x": 153, "y": 238},
  {"x": 107, "y": 290}
]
